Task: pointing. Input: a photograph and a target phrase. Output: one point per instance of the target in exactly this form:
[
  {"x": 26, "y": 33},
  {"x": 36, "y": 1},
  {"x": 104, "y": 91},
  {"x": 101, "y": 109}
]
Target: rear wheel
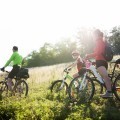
[
  {"x": 3, "y": 89},
  {"x": 116, "y": 87},
  {"x": 21, "y": 89},
  {"x": 81, "y": 92}
]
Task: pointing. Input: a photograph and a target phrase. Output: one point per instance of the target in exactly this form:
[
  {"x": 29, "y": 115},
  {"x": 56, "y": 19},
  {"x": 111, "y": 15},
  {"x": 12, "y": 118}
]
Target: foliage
[
  {"x": 41, "y": 104},
  {"x": 52, "y": 54},
  {"x": 114, "y": 38}
]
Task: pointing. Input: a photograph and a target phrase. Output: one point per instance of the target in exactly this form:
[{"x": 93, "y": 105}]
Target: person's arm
[
  {"x": 72, "y": 65},
  {"x": 97, "y": 51}
]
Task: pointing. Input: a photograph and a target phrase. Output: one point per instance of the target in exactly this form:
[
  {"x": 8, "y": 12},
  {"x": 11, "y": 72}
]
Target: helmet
[{"x": 75, "y": 54}]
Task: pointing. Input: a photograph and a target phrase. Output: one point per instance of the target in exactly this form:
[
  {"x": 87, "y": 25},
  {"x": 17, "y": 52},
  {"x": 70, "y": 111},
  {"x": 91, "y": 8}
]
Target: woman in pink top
[{"x": 101, "y": 63}]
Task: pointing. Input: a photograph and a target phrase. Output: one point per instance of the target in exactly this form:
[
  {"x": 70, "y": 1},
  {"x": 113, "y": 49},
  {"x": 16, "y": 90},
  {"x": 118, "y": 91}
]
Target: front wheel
[
  {"x": 80, "y": 91},
  {"x": 3, "y": 89},
  {"x": 58, "y": 86},
  {"x": 116, "y": 87},
  {"x": 21, "y": 88}
]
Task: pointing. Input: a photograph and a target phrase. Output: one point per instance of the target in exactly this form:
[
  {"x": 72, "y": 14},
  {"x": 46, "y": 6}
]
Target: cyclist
[
  {"x": 101, "y": 63},
  {"x": 79, "y": 62},
  {"x": 16, "y": 58}
]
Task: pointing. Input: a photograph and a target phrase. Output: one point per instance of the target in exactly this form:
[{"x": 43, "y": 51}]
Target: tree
[
  {"x": 64, "y": 49},
  {"x": 52, "y": 54},
  {"x": 33, "y": 59},
  {"x": 114, "y": 39}
]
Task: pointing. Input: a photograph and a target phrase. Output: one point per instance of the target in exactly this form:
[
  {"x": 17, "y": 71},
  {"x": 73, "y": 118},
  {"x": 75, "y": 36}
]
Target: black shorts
[
  {"x": 100, "y": 63},
  {"x": 14, "y": 71}
]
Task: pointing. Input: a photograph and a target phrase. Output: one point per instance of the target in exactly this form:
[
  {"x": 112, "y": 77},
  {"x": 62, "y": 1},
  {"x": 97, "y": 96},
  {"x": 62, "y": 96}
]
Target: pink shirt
[{"x": 99, "y": 50}]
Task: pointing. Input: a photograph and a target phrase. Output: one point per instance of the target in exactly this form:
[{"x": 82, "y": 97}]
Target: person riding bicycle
[
  {"x": 79, "y": 62},
  {"x": 16, "y": 58},
  {"x": 101, "y": 63}
]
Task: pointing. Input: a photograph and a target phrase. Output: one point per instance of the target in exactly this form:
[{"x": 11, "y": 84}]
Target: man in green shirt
[{"x": 16, "y": 58}]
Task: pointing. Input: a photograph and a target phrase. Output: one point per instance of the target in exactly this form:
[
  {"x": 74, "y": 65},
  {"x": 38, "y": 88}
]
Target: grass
[{"x": 41, "y": 104}]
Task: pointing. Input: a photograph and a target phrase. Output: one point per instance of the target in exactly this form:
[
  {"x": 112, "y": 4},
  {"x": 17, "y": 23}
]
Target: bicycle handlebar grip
[
  {"x": 7, "y": 71},
  {"x": 69, "y": 69}
]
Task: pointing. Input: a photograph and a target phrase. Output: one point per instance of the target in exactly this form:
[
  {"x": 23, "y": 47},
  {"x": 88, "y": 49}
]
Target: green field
[{"x": 41, "y": 104}]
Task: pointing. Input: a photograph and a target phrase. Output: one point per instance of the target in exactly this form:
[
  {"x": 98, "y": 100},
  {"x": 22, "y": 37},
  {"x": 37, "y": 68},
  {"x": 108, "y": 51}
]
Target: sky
[{"x": 28, "y": 24}]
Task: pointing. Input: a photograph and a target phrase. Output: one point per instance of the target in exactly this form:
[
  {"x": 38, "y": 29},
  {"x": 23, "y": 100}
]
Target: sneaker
[{"x": 107, "y": 95}]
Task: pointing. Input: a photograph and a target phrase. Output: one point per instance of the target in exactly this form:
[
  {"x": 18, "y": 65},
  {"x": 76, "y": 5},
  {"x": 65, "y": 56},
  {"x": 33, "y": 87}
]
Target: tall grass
[{"x": 47, "y": 73}]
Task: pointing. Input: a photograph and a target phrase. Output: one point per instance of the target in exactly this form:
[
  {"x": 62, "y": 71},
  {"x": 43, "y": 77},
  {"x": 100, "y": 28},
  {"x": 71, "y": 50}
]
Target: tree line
[{"x": 60, "y": 52}]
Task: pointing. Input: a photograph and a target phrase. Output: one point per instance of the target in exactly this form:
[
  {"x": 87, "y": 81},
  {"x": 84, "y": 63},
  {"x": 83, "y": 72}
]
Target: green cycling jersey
[{"x": 16, "y": 58}]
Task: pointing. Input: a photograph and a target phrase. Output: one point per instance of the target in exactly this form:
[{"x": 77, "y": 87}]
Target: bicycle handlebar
[
  {"x": 88, "y": 60},
  {"x": 5, "y": 71},
  {"x": 67, "y": 70}
]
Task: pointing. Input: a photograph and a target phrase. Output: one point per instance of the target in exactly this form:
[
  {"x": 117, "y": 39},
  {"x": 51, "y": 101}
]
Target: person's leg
[
  {"x": 75, "y": 75},
  {"x": 103, "y": 72},
  {"x": 11, "y": 75},
  {"x": 10, "y": 84}
]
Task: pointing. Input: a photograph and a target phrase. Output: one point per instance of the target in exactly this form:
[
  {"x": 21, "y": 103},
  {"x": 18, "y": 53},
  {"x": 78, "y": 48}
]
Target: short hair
[{"x": 15, "y": 48}]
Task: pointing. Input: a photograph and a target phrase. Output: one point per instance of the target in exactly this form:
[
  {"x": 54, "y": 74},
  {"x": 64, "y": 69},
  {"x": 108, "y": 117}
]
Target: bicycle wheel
[
  {"x": 21, "y": 88},
  {"x": 99, "y": 88},
  {"x": 98, "y": 85},
  {"x": 3, "y": 89},
  {"x": 85, "y": 94},
  {"x": 60, "y": 88},
  {"x": 116, "y": 87}
]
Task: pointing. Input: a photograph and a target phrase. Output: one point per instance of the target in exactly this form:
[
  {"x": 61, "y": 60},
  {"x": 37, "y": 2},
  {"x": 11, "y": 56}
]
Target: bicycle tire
[
  {"x": 3, "y": 89},
  {"x": 98, "y": 87},
  {"x": 57, "y": 82},
  {"x": 116, "y": 87},
  {"x": 21, "y": 88},
  {"x": 80, "y": 94}
]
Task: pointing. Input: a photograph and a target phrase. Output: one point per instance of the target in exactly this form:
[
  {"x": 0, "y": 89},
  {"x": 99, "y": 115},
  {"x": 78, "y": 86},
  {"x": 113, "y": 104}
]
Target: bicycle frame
[
  {"x": 84, "y": 82},
  {"x": 89, "y": 66},
  {"x": 66, "y": 76},
  {"x": 92, "y": 68}
]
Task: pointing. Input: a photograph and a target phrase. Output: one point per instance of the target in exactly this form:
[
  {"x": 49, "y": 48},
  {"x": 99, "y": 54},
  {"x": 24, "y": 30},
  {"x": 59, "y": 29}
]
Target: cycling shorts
[
  {"x": 100, "y": 63},
  {"x": 14, "y": 71}
]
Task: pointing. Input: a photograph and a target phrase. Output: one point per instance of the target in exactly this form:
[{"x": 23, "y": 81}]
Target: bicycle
[
  {"x": 20, "y": 87},
  {"x": 61, "y": 86},
  {"x": 86, "y": 88},
  {"x": 112, "y": 76}
]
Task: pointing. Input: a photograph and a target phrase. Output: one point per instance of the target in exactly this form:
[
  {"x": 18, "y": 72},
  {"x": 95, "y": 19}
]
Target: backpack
[
  {"x": 108, "y": 53},
  {"x": 23, "y": 73}
]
